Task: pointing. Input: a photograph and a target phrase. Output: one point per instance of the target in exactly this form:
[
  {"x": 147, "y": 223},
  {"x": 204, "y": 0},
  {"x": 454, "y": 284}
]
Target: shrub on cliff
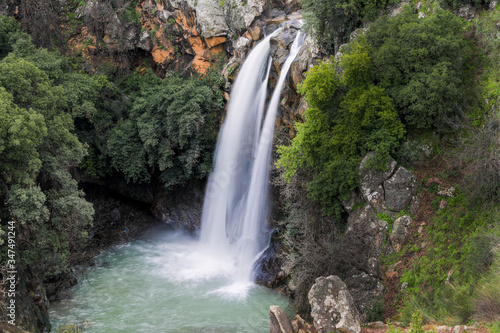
[
  {"x": 332, "y": 21},
  {"x": 420, "y": 63},
  {"x": 170, "y": 131},
  {"x": 347, "y": 117},
  {"x": 39, "y": 147}
]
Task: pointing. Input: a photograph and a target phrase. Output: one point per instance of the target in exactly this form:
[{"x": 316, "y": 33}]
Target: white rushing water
[
  {"x": 235, "y": 207},
  {"x": 165, "y": 283}
]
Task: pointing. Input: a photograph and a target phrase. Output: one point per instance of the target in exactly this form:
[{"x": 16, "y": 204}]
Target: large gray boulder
[
  {"x": 332, "y": 306},
  {"x": 399, "y": 189},
  {"x": 400, "y": 232},
  {"x": 371, "y": 179}
]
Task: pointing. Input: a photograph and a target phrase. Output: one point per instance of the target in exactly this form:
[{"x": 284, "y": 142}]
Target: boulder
[
  {"x": 278, "y": 321},
  {"x": 364, "y": 221},
  {"x": 399, "y": 189},
  {"x": 466, "y": 12},
  {"x": 299, "y": 325},
  {"x": 332, "y": 306},
  {"x": 400, "y": 232},
  {"x": 371, "y": 179},
  {"x": 365, "y": 289}
]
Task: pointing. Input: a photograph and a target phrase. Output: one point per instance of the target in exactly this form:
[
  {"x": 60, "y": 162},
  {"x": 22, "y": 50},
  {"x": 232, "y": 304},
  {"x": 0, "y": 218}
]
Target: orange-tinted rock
[
  {"x": 197, "y": 44},
  {"x": 160, "y": 56},
  {"x": 200, "y": 64},
  {"x": 185, "y": 22},
  {"x": 213, "y": 41},
  {"x": 276, "y": 20},
  {"x": 254, "y": 32}
]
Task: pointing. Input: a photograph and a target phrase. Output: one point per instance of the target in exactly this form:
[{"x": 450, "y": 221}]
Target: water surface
[{"x": 167, "y": 283}]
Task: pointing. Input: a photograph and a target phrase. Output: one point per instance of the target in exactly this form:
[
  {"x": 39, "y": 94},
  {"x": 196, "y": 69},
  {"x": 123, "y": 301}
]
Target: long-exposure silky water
[
  {"x": 235, "y": 212},
  {"x": 174, "y": 283}
]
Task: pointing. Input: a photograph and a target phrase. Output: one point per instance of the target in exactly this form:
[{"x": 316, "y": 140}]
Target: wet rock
[
  {"x": 278, "y": 321},
  {"x": 332, "y": 306},
  {"x": 181, "y": 208},
  {"x": 400, "y": 232},
  {"x": 57, "y": 286},
  {"x": 268, "y": 271},
  {"x": 399, "y": 189}
]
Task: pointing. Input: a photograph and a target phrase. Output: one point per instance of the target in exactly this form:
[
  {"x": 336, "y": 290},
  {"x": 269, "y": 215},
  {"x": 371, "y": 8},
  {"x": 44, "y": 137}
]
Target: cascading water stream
[{"x": 234, "y": 212}]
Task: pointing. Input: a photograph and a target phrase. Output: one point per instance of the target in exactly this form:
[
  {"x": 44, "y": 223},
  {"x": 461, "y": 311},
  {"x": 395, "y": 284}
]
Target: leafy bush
[
  {"x": 332, "y": 21},
  {"x": 347, "y": 117},
  {"x": 420, "y": 62},
  {"x": 38, "y": 149},
  {"x": 171, "y": 130},
  {"x": 8, "y": 27}
]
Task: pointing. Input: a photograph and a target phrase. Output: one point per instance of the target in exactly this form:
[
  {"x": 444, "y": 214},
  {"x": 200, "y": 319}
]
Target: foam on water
[{"x": 166, "y": 284}]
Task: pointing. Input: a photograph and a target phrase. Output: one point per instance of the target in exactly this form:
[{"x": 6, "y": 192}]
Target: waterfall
[{"x": 234, "y": 212}]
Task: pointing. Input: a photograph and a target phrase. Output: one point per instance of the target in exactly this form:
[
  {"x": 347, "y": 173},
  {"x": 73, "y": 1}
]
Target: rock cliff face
[
  {"x": 31, "y": 303},
  {"x": 385, "y": 196}
]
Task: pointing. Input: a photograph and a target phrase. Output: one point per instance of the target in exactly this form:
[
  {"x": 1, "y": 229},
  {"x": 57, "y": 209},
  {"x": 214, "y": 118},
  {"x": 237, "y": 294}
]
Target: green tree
[
  {"x": 8, "y": 28},
  {"x": 36, "y": 126},
  {"x": 332, "y": 21},
  {"x": 347, "y": 117},
  {"x": 20, "y": 135},
  {"x": 174, "y": 125},
  {"x": 420, "y": 62}
]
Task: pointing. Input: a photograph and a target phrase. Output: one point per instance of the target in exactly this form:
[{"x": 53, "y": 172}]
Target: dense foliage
[
  {"x": 405, "y": 71},
  {"x": 428, "y": 77},
  {"x": 420, "y": 63},
  {"x": 332, "y": 21},
  {"x": 347, "y": 117},
  {"x": 55, "y": 120},
  {"x": 38, "y": 150}
]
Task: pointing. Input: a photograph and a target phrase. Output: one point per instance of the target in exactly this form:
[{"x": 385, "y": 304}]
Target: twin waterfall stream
[
  {"x": 174, "y": 283},
  {"x": 235, "y": 211}
]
